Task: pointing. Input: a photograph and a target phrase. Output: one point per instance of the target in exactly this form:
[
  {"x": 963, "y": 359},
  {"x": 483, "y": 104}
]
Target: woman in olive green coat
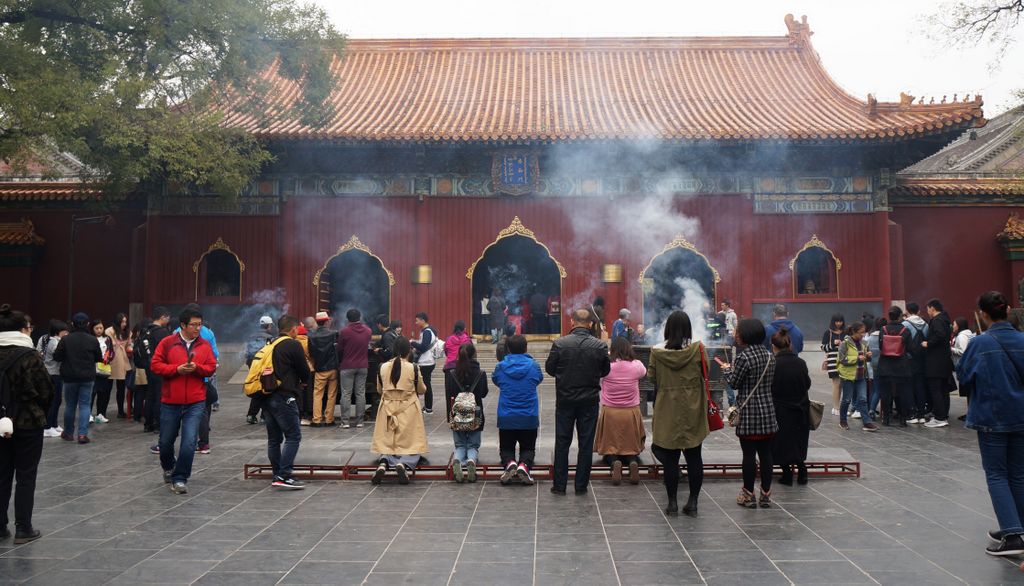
[{"x": 680, "y": 410}]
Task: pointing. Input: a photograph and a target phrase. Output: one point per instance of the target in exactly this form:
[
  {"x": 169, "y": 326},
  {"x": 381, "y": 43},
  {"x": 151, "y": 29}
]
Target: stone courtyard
[{"x": 918, "y": 515}]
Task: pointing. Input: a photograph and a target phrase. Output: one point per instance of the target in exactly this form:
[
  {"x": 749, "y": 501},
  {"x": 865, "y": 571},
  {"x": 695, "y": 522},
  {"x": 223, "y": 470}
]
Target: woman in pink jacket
[
  {"x": 620, "y": 427},
  {"x": 453, "y": 343}
]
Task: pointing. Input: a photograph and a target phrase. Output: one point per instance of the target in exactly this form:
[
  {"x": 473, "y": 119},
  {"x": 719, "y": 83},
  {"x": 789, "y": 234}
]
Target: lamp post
[{"x": 105, "y": 219}]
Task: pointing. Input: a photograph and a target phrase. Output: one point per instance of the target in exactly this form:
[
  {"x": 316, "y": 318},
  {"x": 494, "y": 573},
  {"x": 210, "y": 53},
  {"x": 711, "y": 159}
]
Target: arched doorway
[
  {"x": 520, "y": 270},
  {"x": 218, "y": 274},
  {"x": 354, "y": 278},
  {"x": 815, "y": 270},
  {"x": 679, "y": 277}
]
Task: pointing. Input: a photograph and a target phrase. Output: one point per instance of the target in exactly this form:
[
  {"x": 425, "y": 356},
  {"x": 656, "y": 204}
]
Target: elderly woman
[
  {"x": 399, "y": 435},
  {"x": 680, "y": 421},
  {"x": 751, "y": 374}
]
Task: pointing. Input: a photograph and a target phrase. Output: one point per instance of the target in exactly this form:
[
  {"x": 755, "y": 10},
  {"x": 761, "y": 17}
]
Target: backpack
[
  {"x": 892, "y": 345},
  {"x": 9, "y": 406},
  {"x": 261, "y": 380},
  {"x": 915, "y": 348},
  {"x": 142, "y": 350},
  {"x": 466, "y": 415},
  {"x": 437, "y": 348}
]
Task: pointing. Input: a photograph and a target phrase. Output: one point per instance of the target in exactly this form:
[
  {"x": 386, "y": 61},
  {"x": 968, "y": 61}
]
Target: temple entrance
[
  {"x": 354, "y": 278},
  {"x": 516, "y": 281},
  {"x": 679, "y": 277}
]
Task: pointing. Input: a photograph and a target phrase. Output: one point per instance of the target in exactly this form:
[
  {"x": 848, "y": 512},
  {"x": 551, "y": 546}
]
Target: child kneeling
[
  {"x": 518, "y": 376},
  {"x": 465, "y": 387}
]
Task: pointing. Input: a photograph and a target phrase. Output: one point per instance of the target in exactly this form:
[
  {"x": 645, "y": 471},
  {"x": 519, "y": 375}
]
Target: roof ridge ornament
[
  {"x": 799, "y": 32},
  {"x": 1014, "y": 229}
]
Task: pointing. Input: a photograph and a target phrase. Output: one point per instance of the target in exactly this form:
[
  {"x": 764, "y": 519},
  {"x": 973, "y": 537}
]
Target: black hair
[
  {"x": 159, "y": 311},
  {"x": 285, "y": 323},
  {"x": 188, "y": 314},
  {"x": 93, "y": 324},
  {"x": 353, "y": 316},
  {"x": 12, "y": 320},
  {"x": 836, "y": 317},
  {"x": 423, "y": 316},
  {"x": 728, "y": 302},
  {"x": 599, "y": 301},
  {"x": 141, "y": 327},
  {"x": 123, "y": 333},
  {"x": 994, "y": 304},
  {"x": 961, "y": 324},
  {"x": 382, "y": 320},
  {"x": 516, "y": 345},
  {"x": 460, "y": 326},
  {"x": 467, "y": 353},
  {"x": 855, "y": 327},
  {"x": 750, "y": 331},
  {"x": 880, "y": 323},
  {"x": 678, "y": 330},
  {"x": 935, "y": 304},
  {"x": 895, "y": 313},
  {"x": 621, "y": 349},
  {"x": 913, "y": 308},
  {"x": 781, "y": 339},
  {"x": 192, "y": 305},
  {"x": 57, "y": 326},
  {"x": 401, "y": 349}
]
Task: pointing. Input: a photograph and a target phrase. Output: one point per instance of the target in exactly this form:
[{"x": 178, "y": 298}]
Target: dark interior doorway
[
  {"x": 671, "y": 275},
  {"x": 355, "y": 279},
  {"x": 527, "y": 280}
]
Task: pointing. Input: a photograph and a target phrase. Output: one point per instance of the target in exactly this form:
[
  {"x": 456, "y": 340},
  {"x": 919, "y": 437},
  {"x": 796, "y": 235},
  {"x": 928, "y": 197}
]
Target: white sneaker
[
  {"x": 92, "y": 419},
  {"x": 835, "y": 411},
  {"x": 855, "y": 415},
  {"x": 49, "y": 432},
  {"x": 936, "y": 423},
  {"x": 59, "y": 430},
  {"x": 915, "y": 420},
  {"x": 101, "y": 419}
]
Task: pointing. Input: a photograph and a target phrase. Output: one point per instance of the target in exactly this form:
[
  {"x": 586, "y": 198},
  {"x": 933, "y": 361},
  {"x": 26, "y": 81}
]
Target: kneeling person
[
  {"x": 183, "y": 360},
  {"x": 518, "y": 376},
  {"x": 399, "y": 435}
]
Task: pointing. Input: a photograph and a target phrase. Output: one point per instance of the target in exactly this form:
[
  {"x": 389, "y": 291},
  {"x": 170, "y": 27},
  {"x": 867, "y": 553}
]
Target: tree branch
[{"x": 20, "y": 16}]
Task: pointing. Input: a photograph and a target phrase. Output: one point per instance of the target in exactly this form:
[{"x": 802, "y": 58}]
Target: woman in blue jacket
[
  {"x": 993, "y": 364},
  {"x": 518, "y": 376}
]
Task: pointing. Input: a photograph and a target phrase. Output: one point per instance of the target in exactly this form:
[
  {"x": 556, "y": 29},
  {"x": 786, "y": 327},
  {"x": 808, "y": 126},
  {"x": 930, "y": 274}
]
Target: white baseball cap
[{"x": 266, "y": 320}]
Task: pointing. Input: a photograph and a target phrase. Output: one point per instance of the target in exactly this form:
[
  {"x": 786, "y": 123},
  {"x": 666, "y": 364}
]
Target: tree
[{"x": 130, "y": 87}]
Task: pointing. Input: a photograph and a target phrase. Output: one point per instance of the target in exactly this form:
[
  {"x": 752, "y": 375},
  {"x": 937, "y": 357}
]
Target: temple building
[{"x": 653, "y": 172}]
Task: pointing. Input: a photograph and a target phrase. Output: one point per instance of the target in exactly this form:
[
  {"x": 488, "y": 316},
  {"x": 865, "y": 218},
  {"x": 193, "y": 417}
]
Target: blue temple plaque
[{"x": 515, "y": 172}]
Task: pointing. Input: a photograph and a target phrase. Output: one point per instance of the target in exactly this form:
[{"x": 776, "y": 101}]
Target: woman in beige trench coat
[{"x": 399, "y": 435}]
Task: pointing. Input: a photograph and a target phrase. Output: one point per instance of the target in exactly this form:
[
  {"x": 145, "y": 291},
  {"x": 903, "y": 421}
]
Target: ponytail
[
  {"x": 401, "y": 349},
  {"x": 396, "y": 371}
]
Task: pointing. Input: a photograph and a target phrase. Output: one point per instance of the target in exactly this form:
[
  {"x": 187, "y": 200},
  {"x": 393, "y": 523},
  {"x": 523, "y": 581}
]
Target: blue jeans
[
  {"x": 1002, "y": 457},
  {"x": 77, "y": 397},
  {"x": 467, "y": 445},
  {"x": 51, "y": 416},
  {"x": 281, "y": 414},
  {"x": 855, "y": 392},
  {"x": 187, "y": 417}
]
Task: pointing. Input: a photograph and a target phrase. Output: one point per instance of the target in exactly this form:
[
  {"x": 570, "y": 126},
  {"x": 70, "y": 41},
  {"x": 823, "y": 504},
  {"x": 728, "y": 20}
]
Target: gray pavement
[{"x": 918, "y": 515}]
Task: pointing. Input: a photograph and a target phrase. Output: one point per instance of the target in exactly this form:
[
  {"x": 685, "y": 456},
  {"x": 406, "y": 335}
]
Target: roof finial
[
  {"x": 906, "y": 99},
  {"x": 872, "y": 105},
  {"x": 799, "y": 32}
]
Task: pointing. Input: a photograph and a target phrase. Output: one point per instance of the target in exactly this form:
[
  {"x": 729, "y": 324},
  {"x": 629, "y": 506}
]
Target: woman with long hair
[
  {"x": 46, "y": 346},
  {"x": 830, "y": 342},
  {"x": 140, "y": 384},
  {"x": 399, "y": 435},
  {"x": 101, "y": 398},
  {"x": 620, "y": 433},
  {"x": 792, "y": 409},
  {"x": 853, "y": 358},
  {"x": 466, "y": 377},
  {"x": 121, "y": 336},
  {"x": 680, "y": 421},
  {"x": 751, "y": 374}
]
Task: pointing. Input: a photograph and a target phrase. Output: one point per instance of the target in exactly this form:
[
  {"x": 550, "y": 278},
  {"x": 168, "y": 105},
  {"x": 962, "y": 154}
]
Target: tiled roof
[
  {"x": 572, "y": 89},
  {"x": 965, "y": 186},
  {"x": 46, "y": 191},
  {"x": 991, "y": 149},
  {"x": 19, "y": 233}
]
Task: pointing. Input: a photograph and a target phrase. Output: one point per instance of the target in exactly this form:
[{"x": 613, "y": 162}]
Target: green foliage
[{"x": 131, "y": 87}]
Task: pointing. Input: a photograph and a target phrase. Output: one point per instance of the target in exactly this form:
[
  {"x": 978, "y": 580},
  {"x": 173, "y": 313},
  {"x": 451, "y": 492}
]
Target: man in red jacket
[{"x": 183, "y": 360}]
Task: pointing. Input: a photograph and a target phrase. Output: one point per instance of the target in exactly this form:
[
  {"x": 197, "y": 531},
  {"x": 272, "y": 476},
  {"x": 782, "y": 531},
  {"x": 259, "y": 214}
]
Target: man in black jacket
[
  {"x": 153, "y": 335},
  {"x": 323, "y": 350},
  {"x": 78, "y": 353},
  {"x": 578, "y": 361},
  {"x": 938, "y": 362},
  {"x": 281, "y": 407}
]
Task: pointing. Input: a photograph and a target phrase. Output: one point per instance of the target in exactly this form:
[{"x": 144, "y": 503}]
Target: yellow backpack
[{"x": 261, "y": 379}]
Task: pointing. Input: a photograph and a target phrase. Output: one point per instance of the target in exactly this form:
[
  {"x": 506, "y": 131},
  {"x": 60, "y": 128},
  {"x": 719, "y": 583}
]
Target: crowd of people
[{"x": 898, "y": 370}]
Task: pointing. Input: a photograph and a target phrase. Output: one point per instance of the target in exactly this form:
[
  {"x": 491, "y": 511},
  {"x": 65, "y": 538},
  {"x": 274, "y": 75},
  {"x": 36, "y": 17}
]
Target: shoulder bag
[{"x": 714, "y": 413}]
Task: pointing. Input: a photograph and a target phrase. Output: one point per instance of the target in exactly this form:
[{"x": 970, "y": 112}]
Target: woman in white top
[{"x": 962, "y": 335}]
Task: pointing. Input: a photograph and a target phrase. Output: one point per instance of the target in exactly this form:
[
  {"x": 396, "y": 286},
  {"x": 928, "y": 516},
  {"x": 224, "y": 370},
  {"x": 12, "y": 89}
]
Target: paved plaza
[{"x": 918, "y": 515}]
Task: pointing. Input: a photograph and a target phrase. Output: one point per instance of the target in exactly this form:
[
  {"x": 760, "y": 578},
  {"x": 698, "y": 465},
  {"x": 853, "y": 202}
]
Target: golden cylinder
[
  {"x": 611, "y": 273},
  {"x": 421, "y": 274}
]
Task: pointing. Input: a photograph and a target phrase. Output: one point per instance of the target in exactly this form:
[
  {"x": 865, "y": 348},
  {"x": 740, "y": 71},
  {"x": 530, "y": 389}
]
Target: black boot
[
  {"x": 673, "y": 507},
  {"x": 801, "y": 473},
  {"x": 690, "y": 508},
  {"x": 787, "y": 476}
]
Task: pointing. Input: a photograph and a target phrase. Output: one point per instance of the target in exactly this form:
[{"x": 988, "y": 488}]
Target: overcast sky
[{"x": 868, "y": 46}]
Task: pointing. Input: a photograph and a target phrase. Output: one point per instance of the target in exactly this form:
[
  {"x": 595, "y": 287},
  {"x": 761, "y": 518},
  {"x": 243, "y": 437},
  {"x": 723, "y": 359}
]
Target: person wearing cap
[
  {"x": 324, "y": 353},
  {"x": 78, "y": 353},
  {"x": 621, "y": 326},
  {"x": 261, "y": 338}
]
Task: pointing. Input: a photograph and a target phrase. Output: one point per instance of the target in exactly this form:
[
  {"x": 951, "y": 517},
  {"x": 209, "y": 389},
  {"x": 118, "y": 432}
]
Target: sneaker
[
  {"x": 557, "y": 491},
  {"x": 746, "y": 499},
  {"x": 167, "y": 476},
  {"x": 204, "y": 448},
  {"x": 509, "y": 473},
  {"x": 215, "y": 406},
  {"x": 616, "y": 472},
  {"x": 471, "y": 471},
  {"x": 870, "y": 427},
  {"x": 360, "y": 424},
  {"x": 328, "y": 423},
  {"x": 288, "y": 483},
  {"x": 457, "y": 472},
  {"x": 844, "y": 425},
  {"x": 59, "y": 429},
  {"x": 67, "y": 436},
  {"x": 915, "y": 420},
  {"x": 634, "y": 472},
  {"x": 378, "y": 474},
  {"x": 154, "y": 449},
  {"x": 524, "y": 475},
  {"x": 403, "y": 474},
  {"x": 765, "y": 500},
  {"x": 855, "y": 415},
  {"x": 835, "y": 412},
  {"x": 344, "y": 425},
  {"x": 101, "y": 419},
  {"x": 92, "y": 419},
  {"x": 316, "y": 424},
  {"x": 251, "y": 419},
  {"x": 83, "y": 439},
  {"x": 933, "y": 422},
  {"x": 995, "y": 535},
  {"x": 50, "y": 432},
  {"x": 1008, "y": 545},
  {"x": 304, "y": 422},
  {"x": 179, "y": 488},
  {"x": 427, "y": 411}
]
